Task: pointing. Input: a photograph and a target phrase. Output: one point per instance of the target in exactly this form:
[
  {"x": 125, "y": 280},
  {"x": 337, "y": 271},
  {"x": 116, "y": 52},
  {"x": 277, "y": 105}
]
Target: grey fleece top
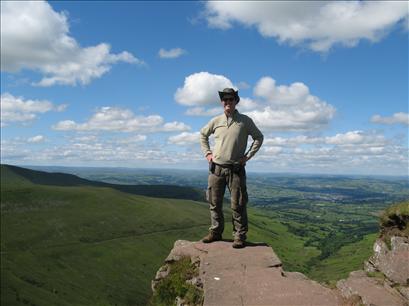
[{"x": 230, "y": 138}]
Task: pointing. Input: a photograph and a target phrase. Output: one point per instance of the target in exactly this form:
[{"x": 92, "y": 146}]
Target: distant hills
[{"x": 64, "y": 179}]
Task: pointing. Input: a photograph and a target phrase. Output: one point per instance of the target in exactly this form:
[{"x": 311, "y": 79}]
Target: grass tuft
[
  {"x": 175, "y": 285},
  {"x": 395, "y": 222}
]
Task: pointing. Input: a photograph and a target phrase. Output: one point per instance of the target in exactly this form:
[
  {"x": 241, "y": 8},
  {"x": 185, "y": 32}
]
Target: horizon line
[{"x": 205, "y": 169}]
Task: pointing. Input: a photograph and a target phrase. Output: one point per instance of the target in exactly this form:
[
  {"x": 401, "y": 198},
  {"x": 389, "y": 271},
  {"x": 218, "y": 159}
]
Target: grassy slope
[
  {"x": 290, "y": 248},
  {"x": 394, "y": 220},
  {"x": 83, "y": 245},
  {"x": 86, "y": 245},
  {"x": 347, "y": 259}
]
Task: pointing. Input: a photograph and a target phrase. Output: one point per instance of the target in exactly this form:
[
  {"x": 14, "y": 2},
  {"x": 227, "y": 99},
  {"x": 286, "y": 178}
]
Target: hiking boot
[
  {"x": 238, "y": 244},
  {"x": 212, "y": 237}
]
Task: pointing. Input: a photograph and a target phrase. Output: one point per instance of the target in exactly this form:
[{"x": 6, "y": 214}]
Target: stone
[
  {"x": 373, "y": 292},
  {"x": 250, "y": 276},
  {"x": 254, "y": 276},
  {"x": 180, "y": 302},
  {"x": 393, "y": 263},
  {"x": 195, "y": 281},
  {"x": 404, "y": 291},
  {"x": 369, "y": 267},
  {"x": 161, "y": 274}
]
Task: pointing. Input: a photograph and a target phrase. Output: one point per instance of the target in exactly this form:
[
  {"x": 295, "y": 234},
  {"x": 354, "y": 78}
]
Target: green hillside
[
  {"x": 338, "y": 265},
  {"x": 85, "y": 244}
]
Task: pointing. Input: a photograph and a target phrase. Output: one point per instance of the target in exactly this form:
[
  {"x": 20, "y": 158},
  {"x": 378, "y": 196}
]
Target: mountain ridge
[{"x": 65, "y": 179}]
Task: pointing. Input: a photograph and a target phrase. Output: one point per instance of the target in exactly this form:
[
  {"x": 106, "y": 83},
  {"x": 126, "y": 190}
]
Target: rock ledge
[{"x": 249, "y": 276}]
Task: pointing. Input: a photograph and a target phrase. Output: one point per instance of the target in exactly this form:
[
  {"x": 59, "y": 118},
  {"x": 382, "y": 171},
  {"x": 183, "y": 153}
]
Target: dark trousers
[{"x": 236, "y": 183}]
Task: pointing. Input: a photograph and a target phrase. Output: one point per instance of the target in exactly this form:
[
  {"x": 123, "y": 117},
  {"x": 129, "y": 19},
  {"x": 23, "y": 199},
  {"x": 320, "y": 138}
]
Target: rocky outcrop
[
  {"x": 254, "y": 276},
  {"x": 393, "y": 262},
  {"x": 385, "y": 278},
  {"x": 178, "y": 252},
  {"x": 249, "y": 276},
  {"x": 372, "y": 291}
]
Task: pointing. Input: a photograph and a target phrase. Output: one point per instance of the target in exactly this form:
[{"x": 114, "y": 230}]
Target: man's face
[{"x": 229, "y": 104}]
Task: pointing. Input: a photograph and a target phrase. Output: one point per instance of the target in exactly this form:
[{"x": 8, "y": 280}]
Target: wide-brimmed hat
[{"x": 229, "y": 92}]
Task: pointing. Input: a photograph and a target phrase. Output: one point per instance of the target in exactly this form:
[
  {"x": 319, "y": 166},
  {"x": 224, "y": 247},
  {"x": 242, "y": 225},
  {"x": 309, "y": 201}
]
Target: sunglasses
[{"x": 228, "y": 99}]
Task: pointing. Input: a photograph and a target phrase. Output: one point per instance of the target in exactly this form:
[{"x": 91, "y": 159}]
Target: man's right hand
[{"x": 209, "y": 157}]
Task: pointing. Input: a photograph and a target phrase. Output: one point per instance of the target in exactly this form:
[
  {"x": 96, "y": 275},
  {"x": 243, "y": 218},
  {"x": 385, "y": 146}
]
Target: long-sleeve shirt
[{"x": 230, "y": 138}]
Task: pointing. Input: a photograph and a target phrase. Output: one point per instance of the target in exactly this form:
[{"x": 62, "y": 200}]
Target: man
[{"x": 226, "y": 166}]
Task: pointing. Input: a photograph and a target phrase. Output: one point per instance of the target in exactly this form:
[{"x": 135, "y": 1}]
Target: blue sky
[{"x": 131, "y": 83}]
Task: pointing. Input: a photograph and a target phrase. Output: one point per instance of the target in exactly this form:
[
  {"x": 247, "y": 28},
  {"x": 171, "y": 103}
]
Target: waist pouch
[{"x": 212, "y": 166}]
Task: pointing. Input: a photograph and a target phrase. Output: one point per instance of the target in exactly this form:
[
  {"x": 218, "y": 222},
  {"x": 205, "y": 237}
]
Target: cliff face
[
  {"x": 393, "y": 262},
  {"x": 254, "y": 275},
  {"x": 385, "y": 278}
]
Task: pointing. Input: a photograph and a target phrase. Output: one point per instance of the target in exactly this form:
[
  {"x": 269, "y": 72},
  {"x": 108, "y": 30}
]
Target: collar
[{"x": 234, "y": 115}]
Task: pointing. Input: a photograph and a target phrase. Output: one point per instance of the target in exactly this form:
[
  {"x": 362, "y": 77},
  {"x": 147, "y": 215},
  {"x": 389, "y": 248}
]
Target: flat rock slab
[
  {"x": 371, "y": 291},
  {"x": 251, "y": 276}
]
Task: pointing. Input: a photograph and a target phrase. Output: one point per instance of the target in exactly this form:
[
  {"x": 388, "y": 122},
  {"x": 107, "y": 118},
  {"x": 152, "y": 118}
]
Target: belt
[
  {"x": 236, "y": 167},
  {"x": 224, "y": 165}
]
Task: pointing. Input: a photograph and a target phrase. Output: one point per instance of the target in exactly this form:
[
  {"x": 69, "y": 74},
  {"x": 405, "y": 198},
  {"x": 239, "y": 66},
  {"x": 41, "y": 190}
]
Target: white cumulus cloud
[
  {"x": 34, "y": 36},
  {"x": 350, "y": 138},
  {"x": 272, "y": 150},
  {"x": 349, "y": 152},
  {"x": 290, "y": 108},
  {"x": 397, "y": 118},
  {"x": 185, "y": 138},
  {"x": 133, "y": 139},
  {"x": 282, "y": 94},
  {"x": 319, "y": 25},
  {"x": 36, "y": 139},
  {"x": 18, "y": 109},
  {"x": 118, "y": 119},
  {"x": 171, "y": 53},
  {"x": 201, "y": 89},
  {"x": 172, "y": 127},
  {"x": 201, "y": 111},
  {"x": 275, "y": 107},
  {"x": 245, "y": 104},
  {"x": 356, "y": 138}
]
